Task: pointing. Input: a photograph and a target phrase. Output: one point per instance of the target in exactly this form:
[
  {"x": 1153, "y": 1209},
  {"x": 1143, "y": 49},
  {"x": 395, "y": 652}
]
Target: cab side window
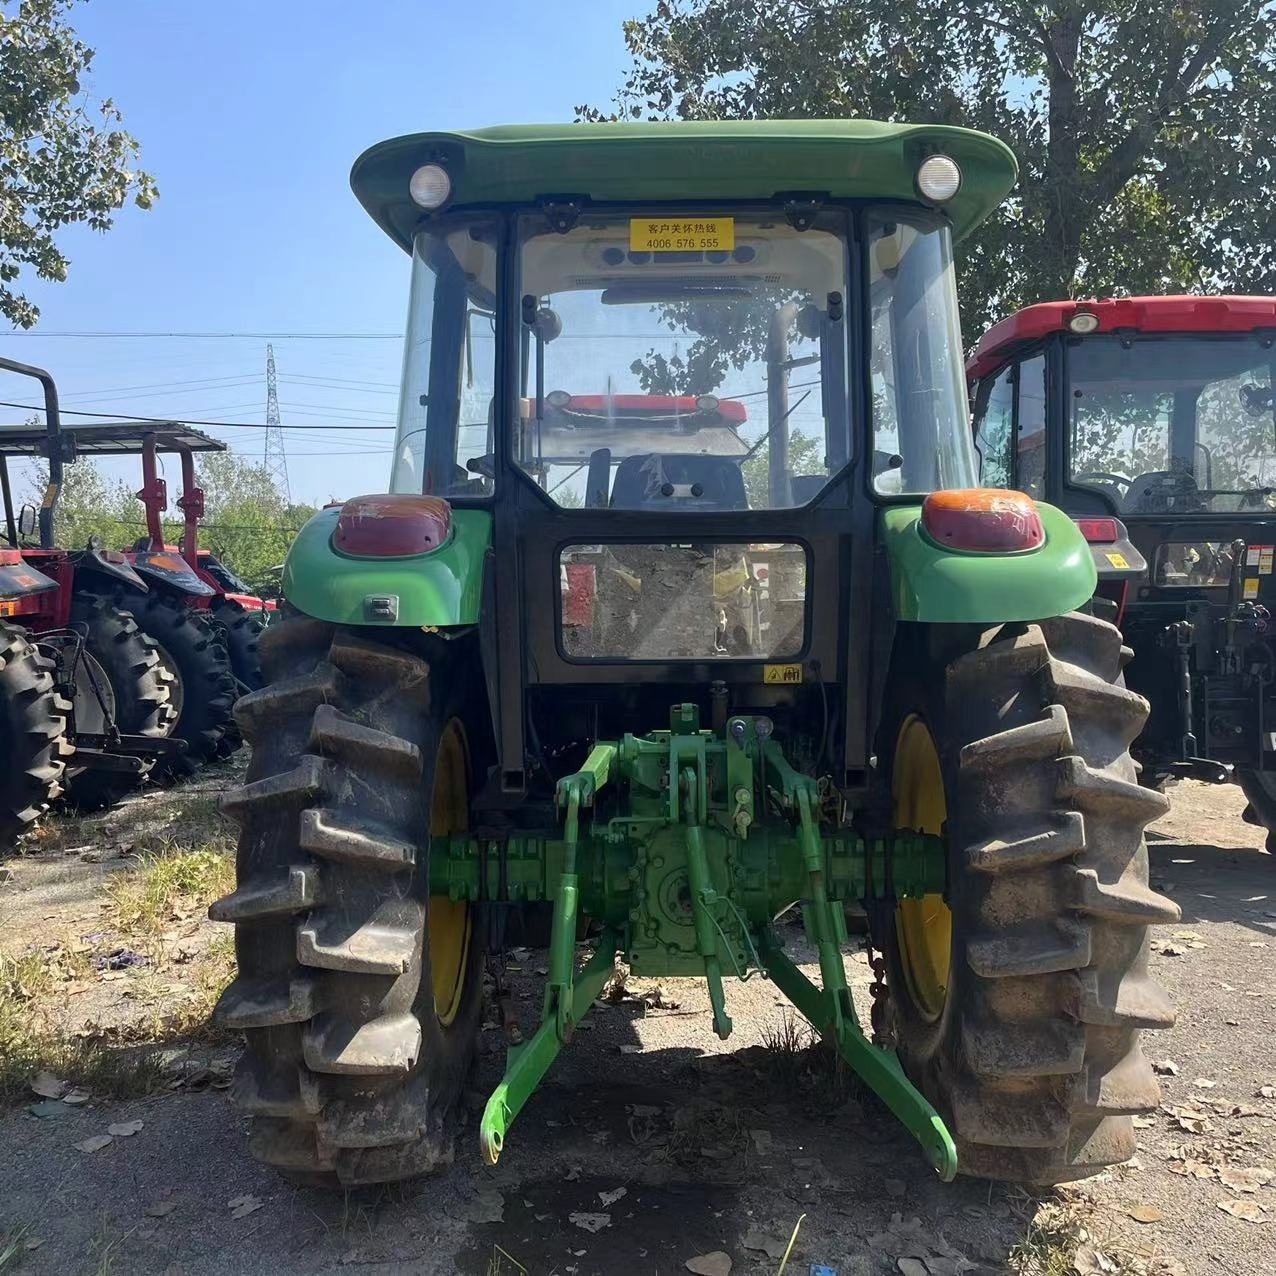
[
  {"x": 1030, "y": 428},
  {"x": 994, "y": 423}
]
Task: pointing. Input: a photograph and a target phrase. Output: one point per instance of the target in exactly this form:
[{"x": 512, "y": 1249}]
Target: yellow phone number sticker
[{"x": 681, "y": 234}]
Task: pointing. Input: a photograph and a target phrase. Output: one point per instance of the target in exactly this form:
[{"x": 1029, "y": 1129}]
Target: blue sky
[{"x": 250, "y": 113}]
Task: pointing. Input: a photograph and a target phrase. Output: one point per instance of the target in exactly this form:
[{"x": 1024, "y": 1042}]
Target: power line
[
  {"x": 231, "y": 336},
  {"x": 167, "y": 420}
]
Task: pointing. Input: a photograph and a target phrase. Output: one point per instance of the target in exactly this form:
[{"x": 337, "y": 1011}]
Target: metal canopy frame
[{"x": 108, "y": 438}]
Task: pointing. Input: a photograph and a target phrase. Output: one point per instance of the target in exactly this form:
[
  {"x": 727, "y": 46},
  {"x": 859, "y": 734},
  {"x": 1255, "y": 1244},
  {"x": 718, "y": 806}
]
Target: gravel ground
[{"x": 688, "y": 1145}]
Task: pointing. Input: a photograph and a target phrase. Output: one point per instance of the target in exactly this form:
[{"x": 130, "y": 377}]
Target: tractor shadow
[
  {"x": 686, "y": 1153},
  {"x": 1216, "y": 884}
]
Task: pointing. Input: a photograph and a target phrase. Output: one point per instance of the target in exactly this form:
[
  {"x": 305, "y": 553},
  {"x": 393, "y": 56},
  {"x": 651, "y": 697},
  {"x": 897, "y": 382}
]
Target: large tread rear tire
[
  {"x": 348, "y": 1073},
  {"x": 1034, "y": 1060},
  {"x": 192, "y": 649},
  {"x": 241, "y": 631},
  {"x": 141, "y": 687},
  {"x": 33, "y": 748}
]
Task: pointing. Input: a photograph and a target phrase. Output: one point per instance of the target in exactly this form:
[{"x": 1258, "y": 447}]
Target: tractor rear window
[
  {"x": 662, "y": 602},
  {"x": 682, "y": 372}
]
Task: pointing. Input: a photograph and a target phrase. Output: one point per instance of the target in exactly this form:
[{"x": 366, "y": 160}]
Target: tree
[
  {"x": 806, "y": 456},
  {"x": 1143, "y": 129},
  {"x": 64, "y": 159}
]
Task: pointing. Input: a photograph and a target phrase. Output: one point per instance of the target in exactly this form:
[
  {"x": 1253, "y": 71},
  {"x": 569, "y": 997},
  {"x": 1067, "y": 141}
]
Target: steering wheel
[{"x": 1117, "y": 480}]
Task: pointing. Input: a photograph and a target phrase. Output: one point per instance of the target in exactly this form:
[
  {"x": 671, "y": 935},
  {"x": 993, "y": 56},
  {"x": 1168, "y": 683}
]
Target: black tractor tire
[
  {"x": 33, "y": 747},
  {"x": 241, "y": 631},
  {"x": 1033, "y": 1058},
  {"x": 350, "y": 1073},
  {"x": 192, "y": 650},
  {"x": 140, "y": 687}
]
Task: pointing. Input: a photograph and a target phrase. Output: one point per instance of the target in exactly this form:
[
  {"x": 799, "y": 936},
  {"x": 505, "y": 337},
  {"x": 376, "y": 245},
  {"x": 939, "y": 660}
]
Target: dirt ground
[{"x": 652, "y": 1142}]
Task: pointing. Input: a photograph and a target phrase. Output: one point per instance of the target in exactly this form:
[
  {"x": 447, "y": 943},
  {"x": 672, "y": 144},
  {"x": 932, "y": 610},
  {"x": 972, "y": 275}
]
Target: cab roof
[
  {"x": 1180, "y": 314},
  {"x": 663, "y": 163}
]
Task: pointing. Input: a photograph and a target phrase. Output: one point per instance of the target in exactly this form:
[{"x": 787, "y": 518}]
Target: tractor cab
[
  {"x": 1152, "y": 420},
  {"x": 684, "y": 607}
]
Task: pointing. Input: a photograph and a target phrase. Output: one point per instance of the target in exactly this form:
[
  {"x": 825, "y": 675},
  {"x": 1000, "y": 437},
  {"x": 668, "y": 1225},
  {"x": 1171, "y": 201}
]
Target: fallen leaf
[
  {"x": 589, "y": 1222},
  {"x": 1143, "y": 1122},
  {"x": 76, "y": 1097},
  {"x": 1189, "y": 935},
  {"x": 1204, "y": 1083},
  {"x": 1250, "y": 1211},
  {"x": 1173, "y": 950},
  {"x": 1166, "y": 1067},
  {"x": 912, "y": 1267},
  {"x": 610, "y": 1198},
  {"x": 1192, "y": 1169},
  {"x": 47, "y": 1108},
  {"x": 1243, "y": 1180},
  {"x": 630, "y": 1049},
  {"x": 715, "y": 1263},
  {"x": 125, "y": 1129},
  {"x": 1193, "y": 1125},
  {"x": 486, "y": 1207},
  {"x": 96, "y": 1143},
  {"x": 47, "y": 1086},
  {"x": 572, "y": 1174},
  {"x": 1144, "y": 1213},
  {"x": 159, "y": 1208},
  {"x": 771, "y": 1246},
  {"x": 242, "y": 1206},
  {"x": 1088, "y": 1261},
  {"x": 762, "y": 1141},
  {"x": 33, "y": 1242},
  {"x": 1267, "y": 1091}
]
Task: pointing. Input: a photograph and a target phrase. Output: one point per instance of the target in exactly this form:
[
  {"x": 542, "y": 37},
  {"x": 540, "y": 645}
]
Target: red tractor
[
  {"x": 107, "y": 714},
  {"x": 1152, "y": 421}
]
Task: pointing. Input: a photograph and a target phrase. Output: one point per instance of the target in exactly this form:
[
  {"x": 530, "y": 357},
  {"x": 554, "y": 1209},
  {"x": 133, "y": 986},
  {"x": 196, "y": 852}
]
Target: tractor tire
[
  {"x": 139, "y": 687},
  {"x": 241, "y": 631},
  {"x": 1016, "y": 999},
  {"x": 191, "y": 649},
  {"x": 358, "y": 995},
  {"x": 32, "y": 725}
]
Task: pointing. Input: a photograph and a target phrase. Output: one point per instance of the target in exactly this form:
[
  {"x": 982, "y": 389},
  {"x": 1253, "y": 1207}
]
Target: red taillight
[
  {"x": 985, "y": 519},
  {"x": 1098, "y": 531},
  {"x": 392, "y": 526}
]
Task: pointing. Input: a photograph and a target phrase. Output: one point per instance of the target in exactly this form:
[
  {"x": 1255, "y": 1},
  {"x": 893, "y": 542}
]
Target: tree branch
[
  {"x": 1035, "y": 20},
  {"x": 1122, "y": 161}
]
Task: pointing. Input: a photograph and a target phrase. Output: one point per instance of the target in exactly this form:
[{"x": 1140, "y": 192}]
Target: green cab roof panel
[{"x": 667, "y": 164}]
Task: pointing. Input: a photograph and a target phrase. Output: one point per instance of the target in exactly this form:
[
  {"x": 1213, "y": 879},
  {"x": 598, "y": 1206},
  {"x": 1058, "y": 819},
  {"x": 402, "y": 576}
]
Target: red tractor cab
[{"x": 1151, "y": 421}]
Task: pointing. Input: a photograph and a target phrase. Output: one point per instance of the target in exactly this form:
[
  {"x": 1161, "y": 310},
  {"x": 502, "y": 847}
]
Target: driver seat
[
  {"x": 706, "y": 483},
  {"x": 1162, "y": 492}
]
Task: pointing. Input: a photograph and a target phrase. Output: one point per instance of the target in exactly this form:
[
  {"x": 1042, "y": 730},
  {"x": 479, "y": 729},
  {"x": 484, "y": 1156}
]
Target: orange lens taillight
[{"x": 986, "y": 519}]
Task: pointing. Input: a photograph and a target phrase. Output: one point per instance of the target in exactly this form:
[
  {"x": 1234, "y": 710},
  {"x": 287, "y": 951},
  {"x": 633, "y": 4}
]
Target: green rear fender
[
  {"x": 936, "y": 585},
  {"x": 438, "y": 589}
]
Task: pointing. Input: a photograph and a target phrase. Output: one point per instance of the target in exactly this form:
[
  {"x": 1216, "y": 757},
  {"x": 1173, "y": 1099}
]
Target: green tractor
[{"x": 652, "y": 677}]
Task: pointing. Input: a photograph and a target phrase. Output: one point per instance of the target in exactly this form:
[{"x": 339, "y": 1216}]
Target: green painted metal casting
[{"x": 685, "y": 845}]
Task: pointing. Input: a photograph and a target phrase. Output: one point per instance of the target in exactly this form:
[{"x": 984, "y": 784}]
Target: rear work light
[
  {"x": 983, "y": 519},
  {"x": 1099, "y": 531}
]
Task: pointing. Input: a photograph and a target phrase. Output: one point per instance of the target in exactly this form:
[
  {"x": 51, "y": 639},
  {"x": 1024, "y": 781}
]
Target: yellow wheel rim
[
  {"x": 449, "y": 920},
  {"x": 923, "y": 927}
]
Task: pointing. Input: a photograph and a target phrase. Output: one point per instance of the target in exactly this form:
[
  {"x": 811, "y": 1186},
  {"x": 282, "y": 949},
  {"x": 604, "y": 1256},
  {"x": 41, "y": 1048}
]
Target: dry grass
[
  {"x": 153, "y": 909},
  {"x": 168, "y": 887}
]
